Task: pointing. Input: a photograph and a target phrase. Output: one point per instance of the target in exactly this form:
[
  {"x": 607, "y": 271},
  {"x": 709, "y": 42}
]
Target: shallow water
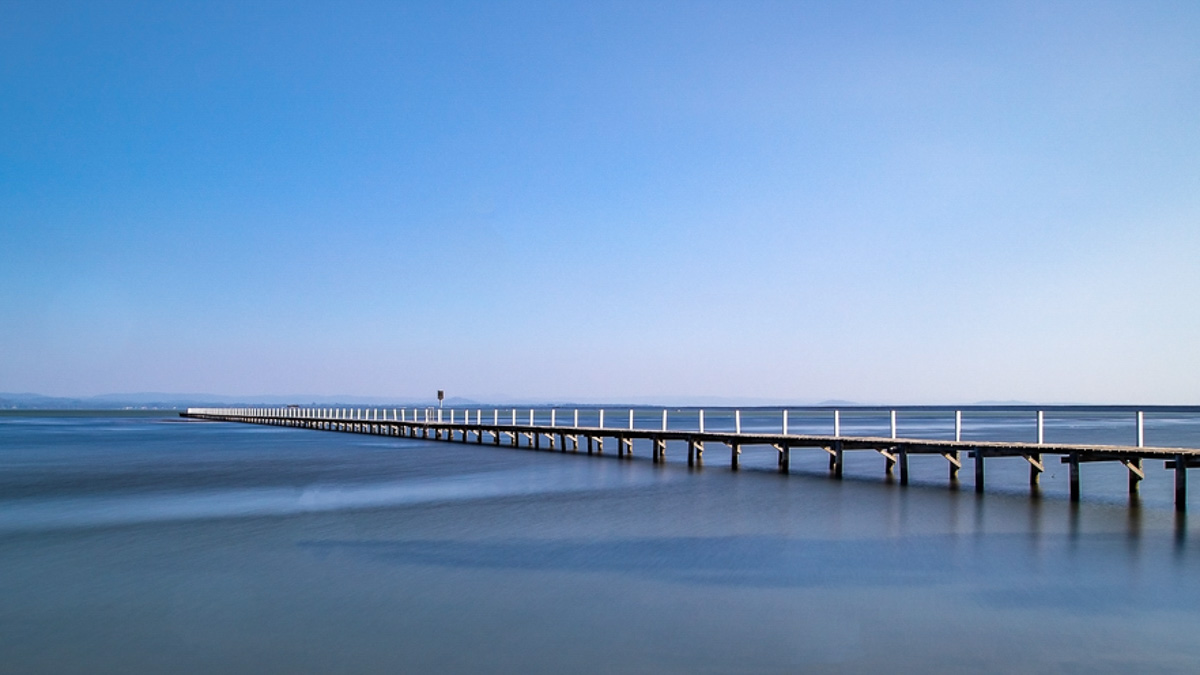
[{"x": 138, "y": 542}]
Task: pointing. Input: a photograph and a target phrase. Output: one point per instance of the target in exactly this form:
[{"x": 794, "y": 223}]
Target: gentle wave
[{"x": 104, "y": 511}]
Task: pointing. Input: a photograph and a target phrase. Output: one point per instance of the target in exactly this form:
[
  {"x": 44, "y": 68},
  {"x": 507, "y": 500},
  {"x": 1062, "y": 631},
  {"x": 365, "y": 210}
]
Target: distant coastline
[{"x": 175, "y": 402}]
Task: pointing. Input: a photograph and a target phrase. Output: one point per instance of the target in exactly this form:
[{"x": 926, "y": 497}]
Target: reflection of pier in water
[{"x": 433, "y": 425}]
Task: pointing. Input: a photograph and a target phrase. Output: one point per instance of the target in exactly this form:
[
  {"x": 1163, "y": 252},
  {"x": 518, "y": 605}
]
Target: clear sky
[{"x": 892, "y": 202}]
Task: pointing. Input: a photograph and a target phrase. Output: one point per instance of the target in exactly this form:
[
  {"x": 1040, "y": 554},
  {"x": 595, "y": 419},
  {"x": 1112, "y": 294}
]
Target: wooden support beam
[
  {"x": 1180, "y": 464},
  {"x": 889, "y": 460},
  {"x": 836, "y": 461},
  {"x": 902, "y": 459},
  {"x": 735, "y": 451},
  {"x": 1136, "y": 474},
  {"x": 1035, "y": 468},
  {"x": 978, "y": 469},
  {"x": 1073, "y": 461}
]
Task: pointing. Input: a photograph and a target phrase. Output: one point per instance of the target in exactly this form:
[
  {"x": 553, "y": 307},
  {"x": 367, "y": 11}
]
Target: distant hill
[{"x": 165, "y": 401}]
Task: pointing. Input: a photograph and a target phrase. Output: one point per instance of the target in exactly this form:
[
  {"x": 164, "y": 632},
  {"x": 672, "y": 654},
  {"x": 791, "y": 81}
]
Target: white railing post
[
  {"x": 893, "y": 424},
  {"x": 602, "y": 418},
  {"x": 785, "y": 422},
  {"x": 702, "y": 420},
  {"x": 631, "y": 418},
  {"x": 553, "y": 417},
  {"x": 1040, "y": 421},
  {"x": 576, "y": 418},
  {"x": 737, "y": 421},
  {"x": 531, "y": 417},
  {"x": 1141, "y": 436},
  {"x": 957, "y": 425},
  {"x": 837, "y": 423},
  {"x": 664, "y": 426}
]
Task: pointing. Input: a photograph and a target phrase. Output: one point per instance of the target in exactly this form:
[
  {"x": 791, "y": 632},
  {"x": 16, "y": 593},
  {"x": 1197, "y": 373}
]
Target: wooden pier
[{"x": 509, "y": 430}]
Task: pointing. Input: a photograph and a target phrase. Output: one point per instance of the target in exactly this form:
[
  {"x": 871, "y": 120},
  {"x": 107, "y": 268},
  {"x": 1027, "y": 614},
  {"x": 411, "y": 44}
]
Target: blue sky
[{"x": 882, "y": 202}]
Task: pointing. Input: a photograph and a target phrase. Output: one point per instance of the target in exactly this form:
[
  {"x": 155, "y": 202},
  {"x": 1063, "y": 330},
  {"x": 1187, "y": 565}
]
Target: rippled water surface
[{"x": 146, "y": 543}]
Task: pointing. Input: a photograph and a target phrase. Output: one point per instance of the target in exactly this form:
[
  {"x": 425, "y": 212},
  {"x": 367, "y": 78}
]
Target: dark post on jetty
[{"x": 432, "y": 424}]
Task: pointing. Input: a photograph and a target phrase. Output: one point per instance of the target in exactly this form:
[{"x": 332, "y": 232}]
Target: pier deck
[{"x": 895, "y": 450}]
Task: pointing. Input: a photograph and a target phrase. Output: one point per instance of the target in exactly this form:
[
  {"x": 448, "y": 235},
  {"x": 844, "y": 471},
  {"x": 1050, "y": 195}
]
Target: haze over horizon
[
  {"x": 179, "y": 400},
  {"x": 897, "y": 203}
]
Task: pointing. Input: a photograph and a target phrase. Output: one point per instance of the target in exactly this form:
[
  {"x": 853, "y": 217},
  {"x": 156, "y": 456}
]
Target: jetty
[{"x": 513, "y": 428}]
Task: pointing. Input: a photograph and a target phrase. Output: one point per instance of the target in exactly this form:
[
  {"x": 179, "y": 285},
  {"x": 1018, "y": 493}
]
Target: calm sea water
[{"x": 146, "y": 543}]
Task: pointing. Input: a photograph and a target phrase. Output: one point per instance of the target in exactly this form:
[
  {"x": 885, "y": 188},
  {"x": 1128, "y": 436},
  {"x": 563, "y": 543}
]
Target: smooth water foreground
[{"x": 145, "y": 543}]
